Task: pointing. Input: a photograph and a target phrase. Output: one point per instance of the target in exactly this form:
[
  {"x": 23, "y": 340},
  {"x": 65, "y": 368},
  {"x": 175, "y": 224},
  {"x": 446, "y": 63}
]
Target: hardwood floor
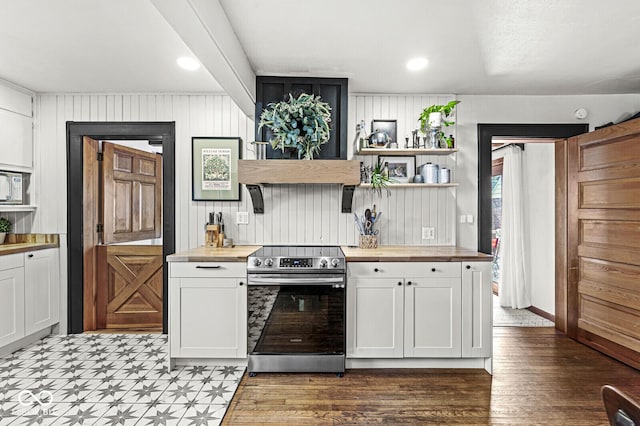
[{"x": 540, "y": 377}]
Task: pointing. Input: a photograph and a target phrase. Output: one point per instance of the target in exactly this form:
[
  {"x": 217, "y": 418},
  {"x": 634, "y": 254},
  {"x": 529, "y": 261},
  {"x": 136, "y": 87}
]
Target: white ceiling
[
  {"x": 93, "y": 46},
  {"x": 488, "y": 46}
]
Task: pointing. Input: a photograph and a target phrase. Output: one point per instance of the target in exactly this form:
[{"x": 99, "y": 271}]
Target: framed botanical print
[{"x": 215, "y": 168}]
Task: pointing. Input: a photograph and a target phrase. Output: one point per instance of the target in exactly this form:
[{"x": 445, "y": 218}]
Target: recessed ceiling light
[
  {"x": 188, "y": 63},
  {"x": 416, "y": 64}
]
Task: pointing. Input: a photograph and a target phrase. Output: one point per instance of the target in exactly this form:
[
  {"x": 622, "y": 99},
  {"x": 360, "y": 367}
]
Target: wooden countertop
[
  {"x": 212, "y": 254},
  {"x": 413, "y": 254},
  {"x": 13, "y": 248}
]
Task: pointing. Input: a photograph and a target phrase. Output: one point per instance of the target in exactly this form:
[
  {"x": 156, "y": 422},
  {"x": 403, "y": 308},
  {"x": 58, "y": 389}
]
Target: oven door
[{"x": 291, "y": 314}]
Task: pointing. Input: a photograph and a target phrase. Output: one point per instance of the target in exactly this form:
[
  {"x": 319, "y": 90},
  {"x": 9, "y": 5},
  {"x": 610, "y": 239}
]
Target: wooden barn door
[
  {"x": 130, "y": 295},
  {"x": 130, "y": 292},
  {"x": 604, "y": 240},
  {"x": 132, "y": 194}
]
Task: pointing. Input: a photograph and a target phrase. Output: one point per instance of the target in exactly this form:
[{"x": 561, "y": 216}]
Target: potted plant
[
  {"x": 380, "y": 180},
  {"x": 437, "y": 115},
  {"x": 5, "y": 227},
  {"x": 301, "y": 123}
]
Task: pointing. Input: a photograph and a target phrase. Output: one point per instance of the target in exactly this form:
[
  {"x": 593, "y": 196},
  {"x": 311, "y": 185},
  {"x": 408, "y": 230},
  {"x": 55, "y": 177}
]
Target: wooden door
[
  {"x": 130, "y": 294},
  {"x": 132, "y": 194},
  {"x": 603, "y": 210},
  {"x": 91, "y": 219}
]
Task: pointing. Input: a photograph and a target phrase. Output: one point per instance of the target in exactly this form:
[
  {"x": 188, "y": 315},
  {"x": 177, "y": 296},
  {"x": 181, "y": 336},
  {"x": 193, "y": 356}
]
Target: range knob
[
  {"x": 257, "y": 262},
  {"x": 335, "y": 262},
  {"x": 268, "y": 262},
  {"x": 323, "y": 263}
]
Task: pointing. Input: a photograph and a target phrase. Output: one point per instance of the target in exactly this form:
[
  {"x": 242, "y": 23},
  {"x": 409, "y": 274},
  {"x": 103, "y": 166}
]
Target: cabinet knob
[
  {"x": 468, "y": 266},
  {"x": 399, "y": 282},
  {"x": 376, "y": 270},
  {"x": 433, "y": 269},
  {"x": 408, "y": 282},
  {"x": 30, "y": 255},
  {"x": 241, "y": 283}
]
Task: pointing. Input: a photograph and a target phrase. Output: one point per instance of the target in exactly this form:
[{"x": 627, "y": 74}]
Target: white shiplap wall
[
  {"x": 295, "y": 214},
  {"x": 407, "y": 210}
]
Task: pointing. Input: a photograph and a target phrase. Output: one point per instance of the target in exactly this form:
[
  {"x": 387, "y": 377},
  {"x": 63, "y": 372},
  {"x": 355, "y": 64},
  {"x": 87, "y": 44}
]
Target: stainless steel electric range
[{"x": 296, "y": 304}]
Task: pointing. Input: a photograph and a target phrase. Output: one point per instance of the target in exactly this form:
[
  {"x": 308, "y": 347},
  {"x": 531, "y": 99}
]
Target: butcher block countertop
[
  {"x": 413, "y": 254},
  {"x": 22, "y": 243},
  {"x": 212, "y": 254}
]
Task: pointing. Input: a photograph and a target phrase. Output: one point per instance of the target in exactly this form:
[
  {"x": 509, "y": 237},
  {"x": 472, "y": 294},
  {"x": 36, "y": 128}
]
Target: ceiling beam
[{"x": 206, "y": 30}]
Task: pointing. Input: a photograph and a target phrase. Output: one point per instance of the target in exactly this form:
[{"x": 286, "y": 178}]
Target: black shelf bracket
[
  {"x": 256, "y": 198},
  {"x": 347, "y": 197}
]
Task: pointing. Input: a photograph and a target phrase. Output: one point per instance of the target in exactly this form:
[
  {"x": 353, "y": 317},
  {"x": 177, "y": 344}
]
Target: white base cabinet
[
  {"x": 207, "y": 310},
  {"x": 477, "y": 310},
  {"x": 11, "y": 298},
  {"x": 41, "y": 289},
  {"x": 418, "y": 310},
  {"x": 29, "y": 294}
]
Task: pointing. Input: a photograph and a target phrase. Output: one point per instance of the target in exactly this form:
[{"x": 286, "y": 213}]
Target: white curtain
[{"x": 514, "y": 290}]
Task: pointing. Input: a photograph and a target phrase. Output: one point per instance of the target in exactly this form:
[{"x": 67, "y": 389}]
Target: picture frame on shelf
[
  {"x": 401, "y": 169},
  {"x": 390, "y": 127},
  {"x": 215, "y": 168}
]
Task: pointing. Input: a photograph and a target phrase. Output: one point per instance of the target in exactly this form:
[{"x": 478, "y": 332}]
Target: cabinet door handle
[
  {"x": 408, "y": 282},
  {"x": 208, "y": 267},
  {"x": 241, "y": 283},
  {"x": 376, "y": 270},
  {"x": 468, "y": 266},
  {"x": 399, "y": 282},
  {"x": 30, "y": 255},
  {"x": 433, "y": 269}
]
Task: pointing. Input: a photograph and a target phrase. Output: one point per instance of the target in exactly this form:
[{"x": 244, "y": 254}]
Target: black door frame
[
  {"x": 485, "y": 133},
  {"x": 161, "y": 132}
]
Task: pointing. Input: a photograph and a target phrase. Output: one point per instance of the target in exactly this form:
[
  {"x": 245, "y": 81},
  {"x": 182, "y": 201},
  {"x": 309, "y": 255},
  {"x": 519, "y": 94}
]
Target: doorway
[
  {"x": 123, "y": 236},
  {"x": 158, "y": 133},
  {"x": 486, "y": 134}
]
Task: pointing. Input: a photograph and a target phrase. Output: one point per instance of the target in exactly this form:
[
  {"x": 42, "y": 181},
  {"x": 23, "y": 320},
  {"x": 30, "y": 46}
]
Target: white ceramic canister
[
  {"x": 445, "y": 175},
  {"x": 429, "y": 172}
]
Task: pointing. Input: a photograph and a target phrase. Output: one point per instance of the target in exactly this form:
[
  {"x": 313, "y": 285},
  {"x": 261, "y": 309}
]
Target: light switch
[
  {"x": 242, "y": 218},
  {"x": 463, "y": 218},
  {"x": 469, "y": 218}
]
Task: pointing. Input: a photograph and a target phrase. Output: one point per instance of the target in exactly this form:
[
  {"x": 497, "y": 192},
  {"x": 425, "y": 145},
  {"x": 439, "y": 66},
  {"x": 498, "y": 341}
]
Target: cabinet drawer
[
  {"x": 207, "y": 269},
  {"x": 11, "y": 261},
  {"x": 405, "y": 269}
]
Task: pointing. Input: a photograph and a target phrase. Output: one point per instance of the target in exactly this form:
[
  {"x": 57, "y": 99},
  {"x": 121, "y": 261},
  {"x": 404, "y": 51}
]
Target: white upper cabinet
[{"x": 16, "y": 129}]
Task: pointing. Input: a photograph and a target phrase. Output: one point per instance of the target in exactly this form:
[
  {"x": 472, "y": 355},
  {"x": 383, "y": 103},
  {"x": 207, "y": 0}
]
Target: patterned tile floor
[
  {"x": 110, "y": 379},
  {"x": 507, "y": 317}
]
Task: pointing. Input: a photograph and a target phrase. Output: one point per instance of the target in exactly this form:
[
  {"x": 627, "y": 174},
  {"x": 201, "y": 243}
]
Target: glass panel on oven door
[{"x": 304, "y": 319}]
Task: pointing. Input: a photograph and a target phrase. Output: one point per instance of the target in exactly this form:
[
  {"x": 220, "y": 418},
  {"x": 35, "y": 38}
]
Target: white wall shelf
[
  {"x": 407, "y": 151},
  {"x": 413, "y": 185},
  {"x": 17, "y": 208}
]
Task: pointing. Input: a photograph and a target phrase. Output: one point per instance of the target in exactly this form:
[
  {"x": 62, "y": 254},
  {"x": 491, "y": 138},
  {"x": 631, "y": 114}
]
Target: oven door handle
[{"x": 294, "y": 281}]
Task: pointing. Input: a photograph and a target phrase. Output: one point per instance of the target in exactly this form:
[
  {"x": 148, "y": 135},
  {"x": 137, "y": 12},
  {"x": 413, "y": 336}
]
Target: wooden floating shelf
[
  {"x": 17, "y": 208},
  {"x": 407, "y": 151},
  {"x": 413, "y": 185},
  {"x": 256, "y": 172}
]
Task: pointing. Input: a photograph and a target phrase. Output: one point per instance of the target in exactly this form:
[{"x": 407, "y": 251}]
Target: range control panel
[{"x": 296, "y": 262}]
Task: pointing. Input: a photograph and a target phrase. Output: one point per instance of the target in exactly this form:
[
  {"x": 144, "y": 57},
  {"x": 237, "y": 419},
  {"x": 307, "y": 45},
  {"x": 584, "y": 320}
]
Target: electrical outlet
[
  {"x": 469, "y": 218},
  {"x": 463, "y": 218},
  {"x": 428, "y": 233},
  {"x": 242, "y": 218}
]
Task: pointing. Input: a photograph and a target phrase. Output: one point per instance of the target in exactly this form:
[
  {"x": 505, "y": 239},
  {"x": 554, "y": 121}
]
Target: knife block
[{"x": 213, "y": 237}]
